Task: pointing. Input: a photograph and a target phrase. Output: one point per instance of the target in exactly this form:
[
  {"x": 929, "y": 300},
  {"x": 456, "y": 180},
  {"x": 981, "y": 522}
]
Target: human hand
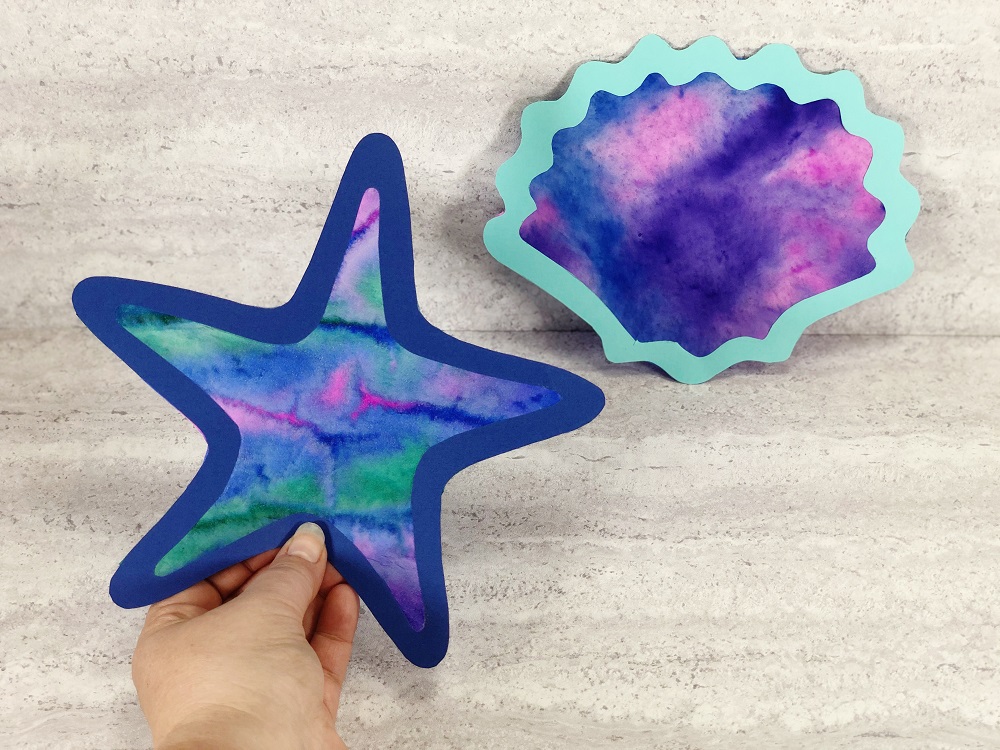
[{"x": 253, "y": 657}]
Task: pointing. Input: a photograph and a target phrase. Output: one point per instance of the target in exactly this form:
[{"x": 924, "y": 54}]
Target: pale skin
[{"x": 253, "y": 657}]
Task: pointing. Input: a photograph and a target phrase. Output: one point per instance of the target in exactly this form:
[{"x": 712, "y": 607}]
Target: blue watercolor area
[
  {"x": 704, "y": 249},
  {"x": 334, "y": 425}
]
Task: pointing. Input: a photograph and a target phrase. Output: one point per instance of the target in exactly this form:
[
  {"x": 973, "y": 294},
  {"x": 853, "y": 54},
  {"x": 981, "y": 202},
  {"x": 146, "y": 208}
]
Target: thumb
[{"x": 290, "y": 583}]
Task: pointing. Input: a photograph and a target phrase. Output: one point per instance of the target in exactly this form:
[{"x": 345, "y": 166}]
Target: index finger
[
  {"x": 206, "y": 595},
  {"x": 229, "y": 581}
]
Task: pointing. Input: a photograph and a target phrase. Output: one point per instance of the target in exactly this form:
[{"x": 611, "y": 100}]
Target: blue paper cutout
[{"x": 336, "y": 370}]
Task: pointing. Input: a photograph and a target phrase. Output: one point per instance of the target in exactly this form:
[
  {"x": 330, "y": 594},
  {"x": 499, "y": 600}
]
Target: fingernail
[{"x": 308, "y": 542}]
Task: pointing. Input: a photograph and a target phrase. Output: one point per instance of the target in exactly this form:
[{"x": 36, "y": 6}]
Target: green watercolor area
[{"x": 371, "y": 491}]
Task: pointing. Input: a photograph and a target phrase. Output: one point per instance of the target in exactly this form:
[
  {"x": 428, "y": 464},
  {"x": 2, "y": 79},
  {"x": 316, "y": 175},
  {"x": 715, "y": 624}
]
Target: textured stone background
[{"x": 794, "y": 556}]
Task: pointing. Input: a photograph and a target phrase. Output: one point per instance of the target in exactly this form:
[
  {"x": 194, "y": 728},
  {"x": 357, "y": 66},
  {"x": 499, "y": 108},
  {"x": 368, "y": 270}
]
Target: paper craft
[
  {"x": 698, "y": 209},
  {"x": 343, "y": 406}
]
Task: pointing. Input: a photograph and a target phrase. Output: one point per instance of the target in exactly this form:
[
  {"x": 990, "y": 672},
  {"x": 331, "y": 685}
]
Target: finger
[
  {"x": 205, "y": 595},
  {"x": 334, "y": 638},
  {"x": 293, "y": 578},
  {"x": 312, "y": 615},
  {"x": 250, "y": 580},
  {"x": 233, "y": 578},
  {"x": 330, "y": 579},
  {"x": 182, "y": 606}
]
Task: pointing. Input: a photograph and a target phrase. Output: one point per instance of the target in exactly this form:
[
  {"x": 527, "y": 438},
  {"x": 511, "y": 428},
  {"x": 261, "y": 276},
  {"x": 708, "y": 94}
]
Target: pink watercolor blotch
[
  {"x": 336, "y": 392},
  {"x": 839, "y": 161},
  {"x": 254, "y": 419},
  {"x": 657, "y": 139},
  {"x": 372, "y": 401}
]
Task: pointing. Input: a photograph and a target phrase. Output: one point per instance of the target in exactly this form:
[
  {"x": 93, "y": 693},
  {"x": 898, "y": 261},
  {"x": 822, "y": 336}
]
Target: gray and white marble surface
[{"x": 800, "y": 555}]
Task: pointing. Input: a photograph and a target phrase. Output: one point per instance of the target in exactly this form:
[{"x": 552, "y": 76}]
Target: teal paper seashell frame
[{"x": 776, "y": 64}]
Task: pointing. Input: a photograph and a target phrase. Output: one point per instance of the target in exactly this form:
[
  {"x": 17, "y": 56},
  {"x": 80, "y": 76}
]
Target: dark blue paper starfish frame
[{"x": 376, "y": 163}]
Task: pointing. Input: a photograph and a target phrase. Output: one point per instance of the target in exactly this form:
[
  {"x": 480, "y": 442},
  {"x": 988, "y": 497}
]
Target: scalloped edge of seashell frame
[{"x": 777, "y": 64}]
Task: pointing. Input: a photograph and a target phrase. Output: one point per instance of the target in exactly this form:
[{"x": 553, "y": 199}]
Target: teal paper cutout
[{"x": 776, "y": 64}]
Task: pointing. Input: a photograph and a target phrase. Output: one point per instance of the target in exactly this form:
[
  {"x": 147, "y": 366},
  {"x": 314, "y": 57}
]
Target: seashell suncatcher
[{"x": 698, "y": 209}]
